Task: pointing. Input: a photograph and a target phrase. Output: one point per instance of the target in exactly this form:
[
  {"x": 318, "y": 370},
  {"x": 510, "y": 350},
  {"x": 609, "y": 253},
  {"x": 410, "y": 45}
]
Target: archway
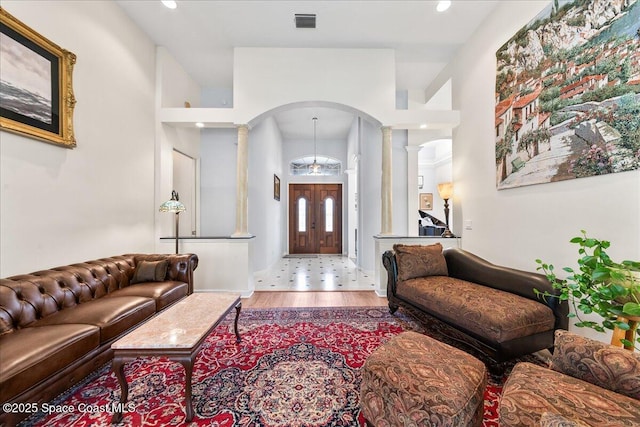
[
  {"x": 348, "y": 178},
  {"x": 307, "y": 104}
]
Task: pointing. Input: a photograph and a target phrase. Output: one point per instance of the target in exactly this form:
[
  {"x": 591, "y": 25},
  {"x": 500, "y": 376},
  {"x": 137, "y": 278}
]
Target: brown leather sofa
[
  {"x": 491, "y": 308},
  {"x": 57, "y": 325}
]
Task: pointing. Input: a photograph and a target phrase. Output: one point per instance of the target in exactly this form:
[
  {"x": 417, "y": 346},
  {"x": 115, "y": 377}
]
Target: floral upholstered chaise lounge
[{"x": 494, "y": 309}]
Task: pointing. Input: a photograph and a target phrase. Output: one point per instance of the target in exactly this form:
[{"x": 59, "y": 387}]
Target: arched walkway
[{"x": 308, "y": 104}]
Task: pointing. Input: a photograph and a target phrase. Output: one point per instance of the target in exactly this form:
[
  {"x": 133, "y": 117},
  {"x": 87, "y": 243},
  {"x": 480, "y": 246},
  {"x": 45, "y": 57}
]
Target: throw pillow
[
  {"x": 598, "y": 363},
  {"x": 420, "y": 261},
  {"x": 556, "y": 420},
  {"x": 150, "y": 271}
]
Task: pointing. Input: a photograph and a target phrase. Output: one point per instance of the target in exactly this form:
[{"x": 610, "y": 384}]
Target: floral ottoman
[
  {"x": 590, "y": 383},
  {"x": 414, "y": 380}
]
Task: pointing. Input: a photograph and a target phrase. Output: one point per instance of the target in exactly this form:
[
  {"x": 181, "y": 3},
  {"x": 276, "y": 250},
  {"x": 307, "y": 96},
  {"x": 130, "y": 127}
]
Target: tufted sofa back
[{"x": 26, "y": 298}]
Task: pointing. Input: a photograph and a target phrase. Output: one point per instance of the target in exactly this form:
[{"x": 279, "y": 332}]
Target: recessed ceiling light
[
  {"x": 171, "y": 4},
  {"x": 199, "y": 125},
  {"x": 423, "y": 126},
  {"x": 443, "y": 5}
]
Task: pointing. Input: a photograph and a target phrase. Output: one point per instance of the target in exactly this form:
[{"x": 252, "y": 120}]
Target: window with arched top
[
  {"x": 328, "y": 215},
  {"x": 302, "y": 215},
  {"x": 326, "y": 166}
]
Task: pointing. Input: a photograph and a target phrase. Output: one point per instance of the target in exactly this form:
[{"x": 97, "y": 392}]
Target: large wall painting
[
  {"x": 568, "y": 94},
  {"x": 36, "y": 88}
]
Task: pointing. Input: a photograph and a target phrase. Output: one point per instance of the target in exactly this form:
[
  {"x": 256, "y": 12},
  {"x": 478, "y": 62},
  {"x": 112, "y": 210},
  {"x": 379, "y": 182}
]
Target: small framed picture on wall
[
  {"x": 426, "y": 201},
  {"x": 276, "y": 187}
]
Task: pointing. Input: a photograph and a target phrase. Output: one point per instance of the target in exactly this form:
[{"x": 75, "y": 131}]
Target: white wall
[
  {"x": 369, "y": 200},
  {"x": 174, "y": 87},
  {"x": 369, "y": 190},
  {"x": 399, "y": 202},
  {"x": 218, "y": 182},
  {"x": 60, "y": 206},
  {"x": 184, "y": 183},
  {"x": 516, "y": 226},
  {"x": 265, "y": 213},
  {"x": 360, "y": 78},
  {"x": 218, "y": 188},
  {"x": 217, "y": 98},
  {"x": 353, "y": 150}
]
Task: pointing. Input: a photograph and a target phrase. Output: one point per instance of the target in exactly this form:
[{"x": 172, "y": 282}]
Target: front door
[{"x": 315, "y": 218}]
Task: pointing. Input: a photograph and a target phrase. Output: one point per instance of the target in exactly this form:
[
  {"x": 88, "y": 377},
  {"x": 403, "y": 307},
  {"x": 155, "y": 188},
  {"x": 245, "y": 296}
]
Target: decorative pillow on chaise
[{"x": 420, "y": 261}]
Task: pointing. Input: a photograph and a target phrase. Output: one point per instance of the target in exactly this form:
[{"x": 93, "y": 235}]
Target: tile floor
[{"x": 317, "y": 273}]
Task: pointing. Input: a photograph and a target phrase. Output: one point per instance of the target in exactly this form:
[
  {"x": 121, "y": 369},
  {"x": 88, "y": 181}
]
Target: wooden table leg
[
  {"x": 188, "y": 371},
  {"x": 629, "y": 335},
  {"x": 235, "y": 324},
  {"x": 118, "y": 369}
]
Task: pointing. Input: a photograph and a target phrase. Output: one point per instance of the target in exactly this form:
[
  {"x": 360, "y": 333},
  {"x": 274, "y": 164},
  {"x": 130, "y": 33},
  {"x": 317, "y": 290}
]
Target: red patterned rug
[{"x": 294, "y": 367}]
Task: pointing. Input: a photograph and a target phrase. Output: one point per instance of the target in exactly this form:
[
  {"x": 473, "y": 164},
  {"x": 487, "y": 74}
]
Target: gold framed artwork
[
  {"x": 36, "y": 85},
  {"x": 276, "y": 187},
  {"x": 426, "y": 201}
]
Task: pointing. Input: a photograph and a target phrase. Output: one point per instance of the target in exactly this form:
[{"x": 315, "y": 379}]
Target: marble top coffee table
[{"x": 176, "y": 333}]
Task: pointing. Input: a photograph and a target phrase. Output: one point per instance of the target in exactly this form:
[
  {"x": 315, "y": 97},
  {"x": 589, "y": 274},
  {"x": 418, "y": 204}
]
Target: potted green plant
[{"x": 601, "y": 286}]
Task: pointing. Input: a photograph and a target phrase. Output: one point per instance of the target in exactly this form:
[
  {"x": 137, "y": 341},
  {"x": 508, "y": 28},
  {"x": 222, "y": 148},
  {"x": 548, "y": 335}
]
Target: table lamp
[
  {"x": 445, "y": 190},
  {"x": 174, "y": 205}
]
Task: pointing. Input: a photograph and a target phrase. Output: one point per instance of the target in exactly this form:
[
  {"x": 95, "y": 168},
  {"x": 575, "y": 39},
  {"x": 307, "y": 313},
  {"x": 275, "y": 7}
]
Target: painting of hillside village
[{"x": 568, "y": 94}]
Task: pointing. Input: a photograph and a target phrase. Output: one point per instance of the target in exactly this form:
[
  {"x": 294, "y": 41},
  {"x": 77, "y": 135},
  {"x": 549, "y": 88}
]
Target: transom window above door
[{"x": 328, "y": 166}]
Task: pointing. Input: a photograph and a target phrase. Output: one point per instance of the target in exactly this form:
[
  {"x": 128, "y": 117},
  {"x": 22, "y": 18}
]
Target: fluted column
[
  {"x": 412, "y": 189},
  {"x": 387, "y": 184},
  {"x": 242, "y": 183}
]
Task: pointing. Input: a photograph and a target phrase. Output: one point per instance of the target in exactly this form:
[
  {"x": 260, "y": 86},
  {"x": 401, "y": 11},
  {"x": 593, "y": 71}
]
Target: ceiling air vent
[{"x": 305, "y": 20}]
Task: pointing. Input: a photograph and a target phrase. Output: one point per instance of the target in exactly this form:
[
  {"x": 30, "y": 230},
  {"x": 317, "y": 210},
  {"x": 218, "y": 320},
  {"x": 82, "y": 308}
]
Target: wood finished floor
[{"x": 272, "y": 299}]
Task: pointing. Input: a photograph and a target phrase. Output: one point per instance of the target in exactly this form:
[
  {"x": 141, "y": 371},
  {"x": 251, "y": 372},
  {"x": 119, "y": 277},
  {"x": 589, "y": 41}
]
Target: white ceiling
[
  {"x": 298, "y": 124},
  {"x": 201, "y": 35}
]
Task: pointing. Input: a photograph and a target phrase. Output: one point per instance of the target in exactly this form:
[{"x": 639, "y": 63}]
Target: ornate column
[
  {"x": 242, "y": 183},
  {"x": 412, "y": 189},
  {"x": 387, "y": 189}
]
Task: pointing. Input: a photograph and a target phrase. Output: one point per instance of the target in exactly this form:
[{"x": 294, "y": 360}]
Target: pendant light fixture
[{"x": 314, "y": 169}]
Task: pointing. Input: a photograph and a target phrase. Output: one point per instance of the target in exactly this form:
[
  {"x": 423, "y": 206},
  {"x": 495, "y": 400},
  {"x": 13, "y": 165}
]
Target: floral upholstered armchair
[{"x": 590, "y": 383}]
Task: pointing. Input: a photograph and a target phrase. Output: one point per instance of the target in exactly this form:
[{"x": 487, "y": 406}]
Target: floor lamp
[
  {"x": 445, "y": 190},
  {"x": 174, "y": 205}
]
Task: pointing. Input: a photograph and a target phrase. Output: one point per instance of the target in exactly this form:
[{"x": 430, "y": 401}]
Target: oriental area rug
[{"x": 297, "y": 367}]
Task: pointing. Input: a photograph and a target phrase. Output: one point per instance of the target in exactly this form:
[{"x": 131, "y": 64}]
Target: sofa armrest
[
  {"x": 598, "y": 363},
  {"x": 181, "y": 266},
  {"x": 390, "y": 264},
  {"x": 467, "y": 266}
]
